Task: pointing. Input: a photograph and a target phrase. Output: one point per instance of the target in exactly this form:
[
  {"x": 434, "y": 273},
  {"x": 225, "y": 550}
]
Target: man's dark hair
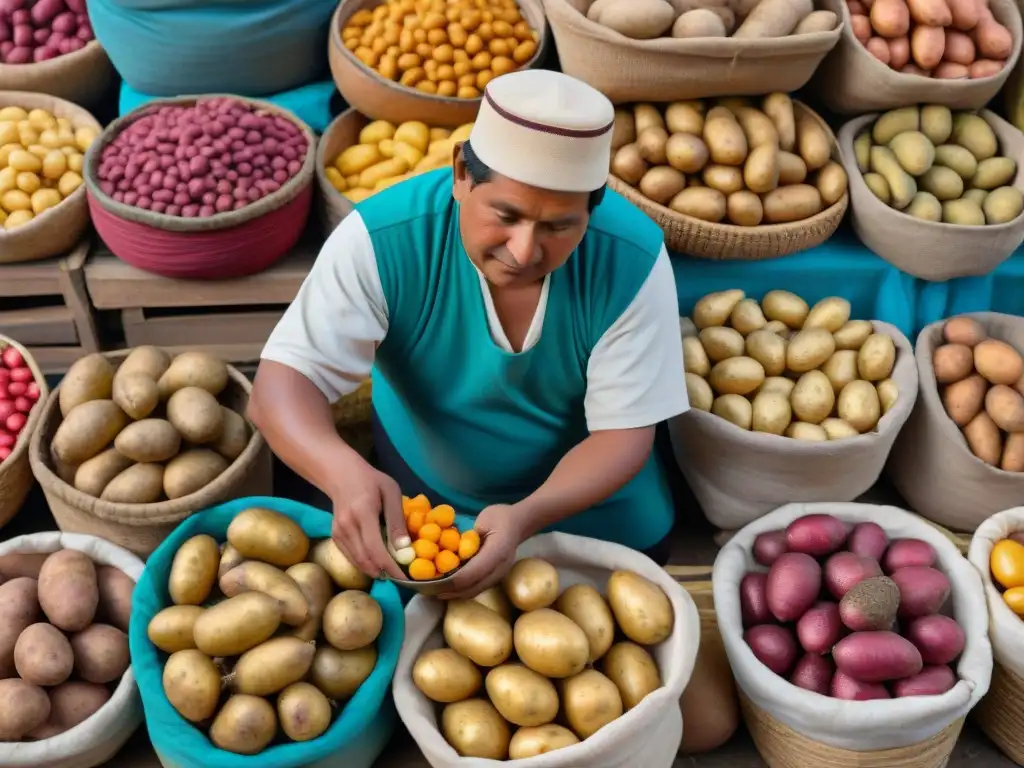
[{"x": 480, "y": 173}]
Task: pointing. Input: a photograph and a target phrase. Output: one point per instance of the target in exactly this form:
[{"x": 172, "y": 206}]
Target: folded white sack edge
[
  {"x": 111, "y": 717},
  {"x": 1006, "y": 629},
  {"x": 856, "y": 725},
  {"x": 424, "y": 614}
]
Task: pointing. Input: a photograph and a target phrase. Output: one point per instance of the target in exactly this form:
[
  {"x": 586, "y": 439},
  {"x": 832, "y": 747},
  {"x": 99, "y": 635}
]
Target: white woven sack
[
  {"x": 856, "y": 725},
  {"x": 1005, "y": 628},
  {"x": 99, "y": 738},
  {"x": 648, "y": 735}
]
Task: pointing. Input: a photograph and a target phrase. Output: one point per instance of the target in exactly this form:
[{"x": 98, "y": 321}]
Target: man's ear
[{"x": 461, "y": 183}]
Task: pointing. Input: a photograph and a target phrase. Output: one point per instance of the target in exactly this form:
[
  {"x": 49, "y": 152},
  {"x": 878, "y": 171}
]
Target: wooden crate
[
  {"x": 228, "y": 318},
  {"x": 44, "y": 305}
]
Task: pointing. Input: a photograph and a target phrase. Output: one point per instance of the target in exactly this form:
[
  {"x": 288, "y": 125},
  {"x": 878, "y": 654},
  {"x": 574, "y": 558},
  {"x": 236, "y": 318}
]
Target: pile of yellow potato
[
  {"x": 387, "y": 154},
  {"x": 738, "y": 160},
  {"x": 41, "y": 158},
  {"x": 151, "y": 429},
  {"x": 442, "y": 47},
  {"x": 566, "y": 660},
  {"x": 271, "y": 617},
  {"x": 784, "y": 368}
]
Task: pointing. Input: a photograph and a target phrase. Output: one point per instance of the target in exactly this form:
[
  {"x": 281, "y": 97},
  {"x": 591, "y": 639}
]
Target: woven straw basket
[
  {"x": 342, "y": 133},
  {"x": 141, "y": 527},
  {"x": 711, "y": 240},
  {"x": 15, "y": 470},
  {"x": 82, "y": 77},
  {"x": 57, "y": 230},
  {"x": 352, "y": 418},
  {"x": 366, "y": 91},
  {"x": 1000, "y": 713}
]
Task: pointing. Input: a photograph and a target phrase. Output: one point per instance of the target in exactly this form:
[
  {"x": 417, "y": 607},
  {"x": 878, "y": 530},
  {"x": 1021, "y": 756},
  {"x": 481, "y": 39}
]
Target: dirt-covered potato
[
  {"x": 68, "y": 590},
  {"x": 101, "y": 653}
]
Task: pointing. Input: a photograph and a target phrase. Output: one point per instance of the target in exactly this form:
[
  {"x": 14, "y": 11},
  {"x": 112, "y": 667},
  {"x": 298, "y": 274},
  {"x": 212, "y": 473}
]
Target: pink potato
[
  {"x": 868, "y": 540},
  {"x": 773, "y": 646},
  {"x": 874, "y": 657},
  {"x": 820, "y": 627},
  {"x": 813, "y": 672},
  {"x": 904, "y": 552},
  {"x": 923, "y": 590},
  {"x": 845, "y": 570},
  {"x": 816, "y": 535},
  {"x": 768, "y": 546},
  {"x": 930, "y": 681},
  {"x": 794, "y": 582},
  {"x": 939, "y": 638},
  {"x": 754, "y": 600},
  {"x": 850, "y": 689}
]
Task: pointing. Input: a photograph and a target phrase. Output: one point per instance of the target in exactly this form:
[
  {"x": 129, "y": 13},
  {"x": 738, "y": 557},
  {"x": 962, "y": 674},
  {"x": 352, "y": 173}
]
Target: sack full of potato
[
  {"x": 787, "y": 401},
  {"x": 960, "y": 457},
  {"x": 857, "y": 634},
  {"x": 257, "y": 644},
  {"x": 587, "y": 629}
]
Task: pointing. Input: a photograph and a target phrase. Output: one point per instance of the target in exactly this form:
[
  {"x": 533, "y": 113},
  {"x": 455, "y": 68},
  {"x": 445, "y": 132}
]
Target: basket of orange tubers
[{"x": 438, "y": 547}]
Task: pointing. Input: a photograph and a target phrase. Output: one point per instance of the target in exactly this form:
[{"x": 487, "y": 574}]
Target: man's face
[{"x": 516, "y": 234}]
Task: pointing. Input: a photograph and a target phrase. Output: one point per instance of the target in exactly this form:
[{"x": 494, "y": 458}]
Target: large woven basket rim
[
  {"x": 848, "y": 132},
  {"x": 55, "y": 66},
  {"x": 275, "y": 200},
  {"x": 17, "y": 99},
  {"x": 156, "y": 513},
  {"x": 346, "y": 10},
  {"x": 326, "y": 188},
  {"x": 25, "y": 437}
]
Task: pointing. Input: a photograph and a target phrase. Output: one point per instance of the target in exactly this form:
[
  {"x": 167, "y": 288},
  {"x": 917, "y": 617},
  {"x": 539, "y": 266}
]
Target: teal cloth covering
[
  {"x": 310, "y": 103},
  {"x": 359, "y": 733}
]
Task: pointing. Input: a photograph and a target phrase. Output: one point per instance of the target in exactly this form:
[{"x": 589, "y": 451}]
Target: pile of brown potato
[
  {"x": 260, "y": 638},
  {"x": 784, "y": 368},
  {"x": 150, "y": 430},
  {"x": 981, "y": 381},
  {"x": 743, "y": 161},
  {"x": 63, "y": 647},
  {"x": 537, "y": 650}
]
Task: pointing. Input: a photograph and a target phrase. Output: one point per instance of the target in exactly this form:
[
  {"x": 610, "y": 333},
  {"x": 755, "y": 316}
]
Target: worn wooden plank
[
  {"x": 209, "y": 328},
  {"x": 72, "y": 285},
  {"x": 35, "y": 278},
  {"x": 54, "y": 360},
  {"x": 40, "y": 326}
]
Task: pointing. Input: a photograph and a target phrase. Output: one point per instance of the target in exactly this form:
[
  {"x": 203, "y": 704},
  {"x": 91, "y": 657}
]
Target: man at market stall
[{"x": 521, "y": 324}]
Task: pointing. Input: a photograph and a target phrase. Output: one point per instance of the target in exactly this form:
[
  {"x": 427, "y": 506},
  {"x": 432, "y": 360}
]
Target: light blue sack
[
  {"x": 358, "y": 734},
  {"x": 253, "y": 48}
]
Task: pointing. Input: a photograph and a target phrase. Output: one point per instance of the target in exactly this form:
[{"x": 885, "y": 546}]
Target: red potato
[
  {"x": 773, "y": 646},
  {"x": 923, "y": 591},
  {"x": 931, "y": 13},
  {"x": 868, "y": 540},
  {"x": 844, "y": 570},
  {"x": 820, "y": 627},
  {"x": 939, "y": 638},
  {"x": 768, "y": 546},
  {"x": 12, "y": 358},
  {"x": 856, "y": 7},
  {"x": 890, "y": 18},
  {"x": 874, "y": 657},
  {"x": 899, "y": 52},
  {"x": 850, "y": 689},
  {"x": 754, "y": 600},
  {"x": 905, "y": 552},
  {"x": 816, "y": 535},
  {"x": 794, "y": 582},
  {"x": 993, "y": 40},
  {"x": 930, "y": 681},
  {"x": 878, "y": 48},
  {"x": 964, "y": 13},
  {"x": 985, "y": 68},
  {"x": 813, "y": 672},
  {"x": 959, "y": 50},
  {"x": 861, "y": 27},
  {"x": 927, "y": 44},
  {"x": 947, "y": 70}
]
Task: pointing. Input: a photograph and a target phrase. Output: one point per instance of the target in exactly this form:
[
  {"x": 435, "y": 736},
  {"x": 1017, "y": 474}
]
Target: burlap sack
[
  {"x": 851, "y": 81},
  {"x": 931, "y": 465},
  {"x": 738, "y": 476},
  {"x": 941, "y": 251},
  {"x": 83, "y": 76},
  {"x": 666, "y": 69},
  {"x": 856, "y": 725},
  {"x": 648, "y": 735}
]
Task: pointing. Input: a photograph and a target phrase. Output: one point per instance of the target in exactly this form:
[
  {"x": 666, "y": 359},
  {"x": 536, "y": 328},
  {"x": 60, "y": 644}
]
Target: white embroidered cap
[{"x": 545, "y": 129}]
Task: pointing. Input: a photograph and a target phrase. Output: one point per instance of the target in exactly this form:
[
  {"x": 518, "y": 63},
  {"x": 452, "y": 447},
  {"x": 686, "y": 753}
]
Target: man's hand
[
  {"x": 500, "y": 532},
  {"x": 356, "y": 530}
]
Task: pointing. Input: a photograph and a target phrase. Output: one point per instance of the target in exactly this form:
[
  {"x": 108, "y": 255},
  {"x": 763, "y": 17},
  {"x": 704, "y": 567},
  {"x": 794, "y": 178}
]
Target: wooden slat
[
  {"x": 50, "y": 326},
  {"x": 207, "y": 328},
  {"x": 56, "y": 359},
  {"x": 36, "y": 278}
]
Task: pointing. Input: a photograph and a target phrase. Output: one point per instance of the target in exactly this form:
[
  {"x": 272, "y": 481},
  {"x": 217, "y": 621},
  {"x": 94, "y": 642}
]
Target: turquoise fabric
[
  {"x": 477, "y": 424},
  {"x": 1000, "y": 291},
  {"x": 358, "y": 734},
  {"x": 310, "y": 103}
]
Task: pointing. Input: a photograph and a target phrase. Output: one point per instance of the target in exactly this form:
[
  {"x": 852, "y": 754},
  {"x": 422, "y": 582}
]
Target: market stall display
[
  {"x": 69, "y": 692},
  {"x": 949, "y": 180},
  {"x": 555, "y": 619},
  {"x": 959, "y": 422},
  {"x": 793, "y": 724},
  {"x": 22, "y": 386},
  {"x": 768, "y": 381},
  {"x": 429, "y": 62},
  {"x": 208, "y": 187},
  {"x": 133, "y": 442},
  {"x": 769, "y": 168},
  {"x": 303, "y": 644}
]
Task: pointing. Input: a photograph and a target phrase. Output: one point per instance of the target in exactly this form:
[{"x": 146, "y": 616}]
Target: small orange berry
[
  {"x": 422, "y": 570},
  {"x": 419, "y": 504},
  {"x": 430, "y": 532},
  {"x": 443, "y": 515},
  {"x": 449, "y": 540},
  {"x": 469, "y": 545},
  {"x": 415, "y": 523},
  {"x": 425, "y": 549},
  {"x": 446, "y": 561}
]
